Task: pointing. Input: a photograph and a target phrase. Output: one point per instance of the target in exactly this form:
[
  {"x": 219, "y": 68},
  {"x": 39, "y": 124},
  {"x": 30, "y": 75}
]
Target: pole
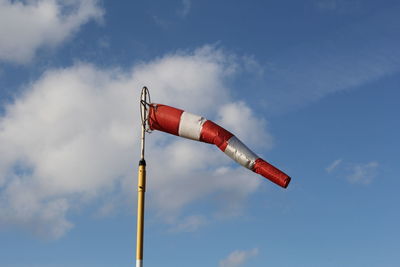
[
  {"x": 140, "y": 212},
  {"x": 141, "y": 183}
]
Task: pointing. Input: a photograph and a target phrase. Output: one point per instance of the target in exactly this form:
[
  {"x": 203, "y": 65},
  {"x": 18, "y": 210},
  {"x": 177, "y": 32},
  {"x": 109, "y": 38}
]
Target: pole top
[
  {"x": 144, "y": 108},
  {"x": 144, "y": 115}
]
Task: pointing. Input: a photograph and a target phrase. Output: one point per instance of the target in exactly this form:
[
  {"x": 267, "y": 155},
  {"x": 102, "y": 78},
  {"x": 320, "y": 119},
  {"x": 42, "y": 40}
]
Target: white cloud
[
  {"x": 238, "y": 258},
  {"x": 71, "y": 140},
  {"x": 239, "y": 118},
  {"x": 333, "y": 165},
  {"x": 363, "y": 173},
  {"x": 26, "y": 26}
]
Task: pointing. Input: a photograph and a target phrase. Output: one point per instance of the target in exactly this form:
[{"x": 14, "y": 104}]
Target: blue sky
[{"x": 312, "y": 86}]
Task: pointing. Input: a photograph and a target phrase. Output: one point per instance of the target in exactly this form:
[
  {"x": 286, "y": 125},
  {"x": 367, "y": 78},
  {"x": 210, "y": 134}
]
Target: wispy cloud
[
  {"x": 189, "y": 224},
  {"x": 349, "y": 58},
  {"x": 326, "y": 4},
  {"x": 357, "y": 173},
  {"x": 182, "y": 12},
  {"x": 333, "y": 165},
  {"x": 339, "y": 6},
  {"x": 26, "y": 26},
  {"x": 363, "y": 173},
  {"x": 161, "y": 22},
  {"x": 69, "y": 140},
  {"x": 238, "y": 258},
  {"x": 185, "y": 8}
]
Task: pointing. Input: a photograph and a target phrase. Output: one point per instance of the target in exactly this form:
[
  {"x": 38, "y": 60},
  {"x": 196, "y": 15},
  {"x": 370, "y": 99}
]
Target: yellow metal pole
[
  {"x": 140, "y": 212},
  {"x": 141, "y": 180}
]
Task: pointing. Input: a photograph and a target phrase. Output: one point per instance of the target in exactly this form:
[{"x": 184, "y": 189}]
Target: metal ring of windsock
[{"x": 181, "y": 123}]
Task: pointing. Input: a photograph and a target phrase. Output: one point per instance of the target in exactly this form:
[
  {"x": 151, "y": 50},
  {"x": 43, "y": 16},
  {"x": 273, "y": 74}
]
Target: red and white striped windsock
[{"x": 181, "y": 123}]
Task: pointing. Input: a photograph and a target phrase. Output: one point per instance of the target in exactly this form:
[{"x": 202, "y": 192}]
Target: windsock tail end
[
  {"x": 272, "y": 173},
  {"x": 287, "y": 182}
]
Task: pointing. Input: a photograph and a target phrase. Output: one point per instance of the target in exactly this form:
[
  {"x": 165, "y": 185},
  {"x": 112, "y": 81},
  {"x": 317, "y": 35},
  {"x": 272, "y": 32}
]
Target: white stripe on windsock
[
  {"x": 190, "y": 125},
  {"x": 240, "y": 153},
  {"x": 139, "y": 263}
]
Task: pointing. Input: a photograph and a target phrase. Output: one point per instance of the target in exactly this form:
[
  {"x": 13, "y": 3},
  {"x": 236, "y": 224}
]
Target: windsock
[{"x": 181, "y": 123}]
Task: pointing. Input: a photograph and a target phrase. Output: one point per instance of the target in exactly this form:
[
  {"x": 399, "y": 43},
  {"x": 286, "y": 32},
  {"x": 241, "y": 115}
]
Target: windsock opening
[{"x": 164, "y": 118}]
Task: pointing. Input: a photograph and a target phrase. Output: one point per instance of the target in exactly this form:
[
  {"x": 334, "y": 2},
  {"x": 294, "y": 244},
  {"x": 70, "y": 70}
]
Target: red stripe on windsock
[
  {"x": 214, "y": 134},
  {"x": 272, "y": 173},
  {"x": 164, "y": 118}
]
